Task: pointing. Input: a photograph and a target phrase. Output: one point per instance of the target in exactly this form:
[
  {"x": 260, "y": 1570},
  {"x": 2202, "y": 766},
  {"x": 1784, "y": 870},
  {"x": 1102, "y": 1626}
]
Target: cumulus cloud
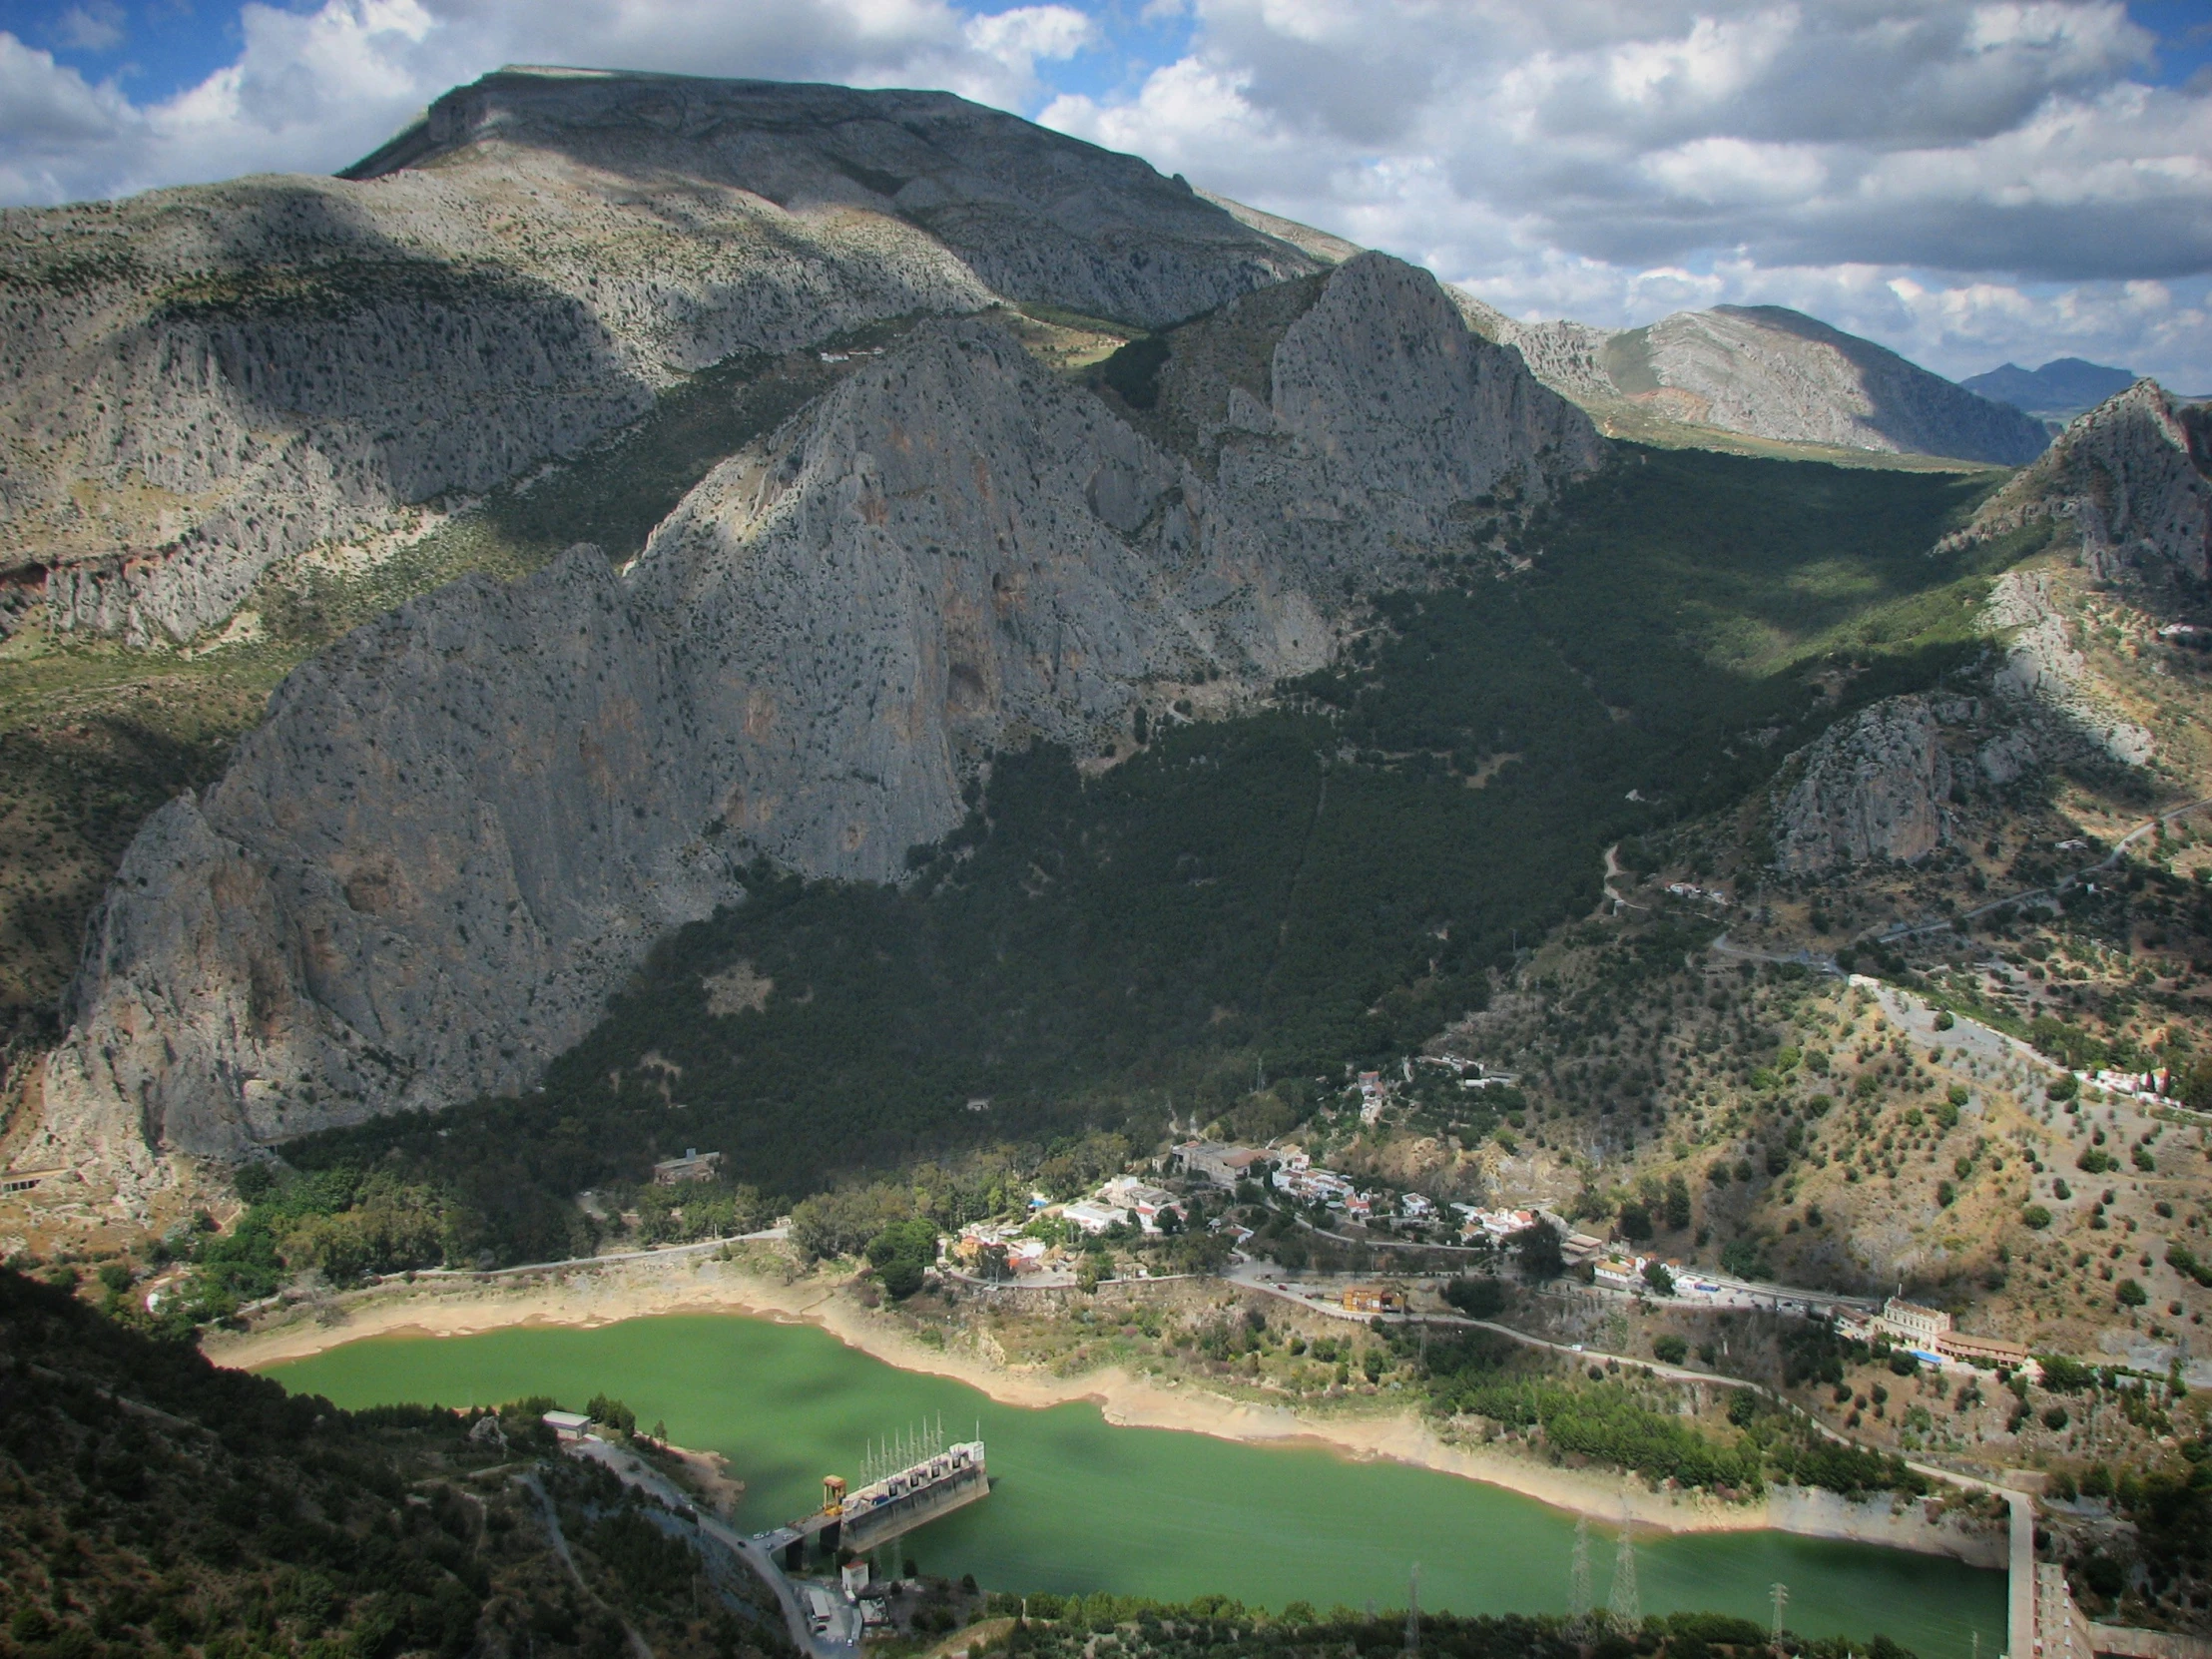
[
  {"x": 1964, "y": 180},
  {"x": 316, "y": 87},
  {"x": 1614, "y": 159},
  {"x": 94, "y": 27}
]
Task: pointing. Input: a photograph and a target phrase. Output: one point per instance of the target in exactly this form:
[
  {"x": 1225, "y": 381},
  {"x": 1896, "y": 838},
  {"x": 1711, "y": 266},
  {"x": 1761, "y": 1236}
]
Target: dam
[{"x": 921, "y": 1482}]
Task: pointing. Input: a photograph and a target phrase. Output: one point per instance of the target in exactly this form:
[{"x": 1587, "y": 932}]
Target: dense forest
[
  {"x": 150, "y": 1502},
  {"x": 1323, "y": 881}
]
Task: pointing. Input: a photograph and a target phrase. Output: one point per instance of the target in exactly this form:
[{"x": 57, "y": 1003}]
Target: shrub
[
  {"x": 1670, "y": 1349},
  {"x": 1478, "y": 1295},
  {"x": 2130, "y": 1294},
  {"x": 2055, "y": 1417},
  {"x": 2035, "y": 1217},
  {"x": 2097, "y": 1161}
]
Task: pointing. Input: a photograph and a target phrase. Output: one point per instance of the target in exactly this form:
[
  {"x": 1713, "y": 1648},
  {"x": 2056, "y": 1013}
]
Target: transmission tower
[
  {"x": 1578, "y": 1570},
  {"x": 1779, "y": 1594},
  {"x": 1412, "y": 1611},
  {"x": 1625, "y": 1604}
]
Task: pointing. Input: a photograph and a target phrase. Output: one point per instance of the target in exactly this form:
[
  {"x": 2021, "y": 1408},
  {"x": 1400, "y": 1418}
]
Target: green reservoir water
[{"x": 1077, "y": 1504}]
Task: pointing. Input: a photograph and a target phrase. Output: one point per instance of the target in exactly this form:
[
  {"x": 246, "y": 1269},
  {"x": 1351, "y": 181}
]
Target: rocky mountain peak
[
  {"x": 461, "y": 826},
  {"x": 2132, "y": 479},
  {"x": 197, "y": 384}
]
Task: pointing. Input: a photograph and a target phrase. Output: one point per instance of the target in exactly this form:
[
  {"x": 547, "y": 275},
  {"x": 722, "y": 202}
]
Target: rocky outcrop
[
  {"x": 1768, "y": 373},
  {"x": 1871, "y": 787},
  {"x": 197, "y": 382},
  {"x": 460, "y": 827},
  {"x": 2131, "y": 480},
  {"x": 2061, "y": 711}
]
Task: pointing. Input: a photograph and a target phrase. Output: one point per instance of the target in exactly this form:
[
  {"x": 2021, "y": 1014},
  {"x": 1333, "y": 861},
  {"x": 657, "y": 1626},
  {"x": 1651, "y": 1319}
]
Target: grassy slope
[{"x": 1292, "y": 890}]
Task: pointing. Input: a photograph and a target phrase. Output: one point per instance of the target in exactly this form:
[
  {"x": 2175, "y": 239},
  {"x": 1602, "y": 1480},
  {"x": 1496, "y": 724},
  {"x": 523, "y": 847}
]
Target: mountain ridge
[
  {"x": 950, "y": 552},
  {"x": 1769, "y": 373},
  {"x": 207, "y": 380}
]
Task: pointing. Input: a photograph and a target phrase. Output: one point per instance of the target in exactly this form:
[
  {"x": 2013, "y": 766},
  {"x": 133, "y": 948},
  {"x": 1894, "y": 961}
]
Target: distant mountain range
[
  {"x": 1765, "y": 372},
  {"x": 2059, "y": 390}
]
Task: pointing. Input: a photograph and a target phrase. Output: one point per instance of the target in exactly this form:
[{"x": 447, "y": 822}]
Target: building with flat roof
[{"x": 568, "y": 1425}]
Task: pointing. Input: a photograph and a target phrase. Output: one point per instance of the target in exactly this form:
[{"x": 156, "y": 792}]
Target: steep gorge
[{"x": 462, "y": 825}]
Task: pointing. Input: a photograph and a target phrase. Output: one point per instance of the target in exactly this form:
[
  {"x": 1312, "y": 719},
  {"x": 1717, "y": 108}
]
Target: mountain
[
  {"x": 1766, "y": 372},
  {"x": 2130, "y": 483},
  {"x": 462, "y": 825},
  {"x": 2059, "y": 390},
  {"x": 200, "y": 382}
]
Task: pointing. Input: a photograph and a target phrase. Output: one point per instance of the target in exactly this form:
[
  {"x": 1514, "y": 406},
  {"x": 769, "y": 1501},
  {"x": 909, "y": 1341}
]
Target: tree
[
  {"x": 1678, "y": 1204},
  {"x": 1542, "y": 1253},
  {"x": 1478, "y": 1295},
  {"x": 1670, "y": 1349},
  {"x": 1659, "y": 1279},
  {"x": 1635, "y": 1220},
  {"x": 611, "y": 1413}
]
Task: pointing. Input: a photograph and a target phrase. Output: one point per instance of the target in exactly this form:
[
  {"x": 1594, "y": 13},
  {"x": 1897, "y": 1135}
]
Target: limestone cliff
[
  {"x": 197, "y": 382},
  {"x": 1871, "y": 787},
  {"x": 460, "y": 827},
  {"x": 2131, "y": 479},
  {"x": 1767, "y": 372}
]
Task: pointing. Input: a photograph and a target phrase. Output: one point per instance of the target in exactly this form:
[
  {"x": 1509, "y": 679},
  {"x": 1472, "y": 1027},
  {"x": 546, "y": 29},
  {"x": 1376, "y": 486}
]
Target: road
[
  {"x": 844, "y": 1642},
  {"x": 1733, "y": 1293},
  {"x": 2051, "y": 894}
]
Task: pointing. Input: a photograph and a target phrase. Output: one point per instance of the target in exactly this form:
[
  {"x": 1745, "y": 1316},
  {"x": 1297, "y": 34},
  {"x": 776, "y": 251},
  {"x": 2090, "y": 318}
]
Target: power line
[
  {"x": 1626, "y": 1604},
  {"x": 1578, "y": 1570}
]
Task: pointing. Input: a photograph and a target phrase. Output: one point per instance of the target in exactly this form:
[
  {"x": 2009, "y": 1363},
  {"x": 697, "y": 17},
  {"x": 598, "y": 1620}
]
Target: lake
[{"x": 1079, "y": 1504}]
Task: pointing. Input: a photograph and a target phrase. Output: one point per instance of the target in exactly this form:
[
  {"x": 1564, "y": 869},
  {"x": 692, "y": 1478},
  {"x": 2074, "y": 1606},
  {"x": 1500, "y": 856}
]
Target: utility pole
[
  {"x": 1412, "y": 1611},
  {"x": 1781, "y": 1596},
  {"x": 1626, "y": 1604},
  {"x": 1578, "y": 1570}
]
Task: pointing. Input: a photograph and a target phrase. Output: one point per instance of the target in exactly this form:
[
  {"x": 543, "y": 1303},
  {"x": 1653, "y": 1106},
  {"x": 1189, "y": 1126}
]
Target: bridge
[{"x": 903, "y": 1488}]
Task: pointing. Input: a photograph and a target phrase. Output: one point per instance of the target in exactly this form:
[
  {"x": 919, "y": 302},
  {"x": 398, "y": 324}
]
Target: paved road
[{"x": 842, "y": 1642}]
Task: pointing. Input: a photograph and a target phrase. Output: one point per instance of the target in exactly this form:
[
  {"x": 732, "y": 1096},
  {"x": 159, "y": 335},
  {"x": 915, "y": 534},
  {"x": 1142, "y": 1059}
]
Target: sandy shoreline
[{"x": 589, "y": 1295}]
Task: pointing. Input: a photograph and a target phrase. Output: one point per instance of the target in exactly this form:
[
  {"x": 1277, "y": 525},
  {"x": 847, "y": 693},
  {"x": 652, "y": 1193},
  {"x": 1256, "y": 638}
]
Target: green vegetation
[
  {"x": 152, "y": 1502},
  {"x": 1214, "y": 1627},
  {"x": 1327, "y": 880},
  {"x": 899, "y": 1252},
  {"x": 1634, "y": 1423}
]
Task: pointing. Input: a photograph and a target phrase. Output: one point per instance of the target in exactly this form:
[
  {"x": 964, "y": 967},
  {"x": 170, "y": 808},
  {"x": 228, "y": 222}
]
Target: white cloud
[
  {"x": 1614, "y": 159},
  {"x": 96, "y": 26},
  {"x": 1964, "y": 180},
  {"x": 314, "y": 89},
  {"x": 1019, "y": 37}
]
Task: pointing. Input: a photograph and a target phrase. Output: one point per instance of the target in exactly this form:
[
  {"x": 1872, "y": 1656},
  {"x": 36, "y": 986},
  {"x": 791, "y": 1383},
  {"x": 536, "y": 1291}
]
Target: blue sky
[{"x": 1966, "y": 181}]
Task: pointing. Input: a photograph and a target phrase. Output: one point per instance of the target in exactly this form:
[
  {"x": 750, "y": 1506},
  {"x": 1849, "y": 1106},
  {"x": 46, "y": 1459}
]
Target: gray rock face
[
  {"x": 2059, "y": 707},
  {"x": 460, "y": 827},
  {"x": 197, "y": 382},
  {"x": 1871, "y": 788},
  {"x": 2133, "y": 479},
  {"x": 1769, "y": 373}
]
